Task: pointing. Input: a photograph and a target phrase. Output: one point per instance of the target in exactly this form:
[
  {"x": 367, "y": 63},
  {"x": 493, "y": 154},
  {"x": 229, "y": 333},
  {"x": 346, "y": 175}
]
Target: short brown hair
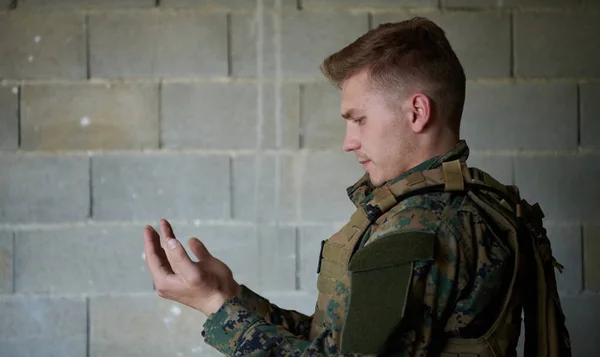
[{"x": 411, "y": 52}]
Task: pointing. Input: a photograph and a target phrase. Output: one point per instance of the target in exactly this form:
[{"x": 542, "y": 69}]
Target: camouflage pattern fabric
[{"x": 454, "y": 295}]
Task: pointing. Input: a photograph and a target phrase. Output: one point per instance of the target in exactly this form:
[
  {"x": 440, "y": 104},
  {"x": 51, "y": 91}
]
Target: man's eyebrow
[{"x": 348, "y": 113}]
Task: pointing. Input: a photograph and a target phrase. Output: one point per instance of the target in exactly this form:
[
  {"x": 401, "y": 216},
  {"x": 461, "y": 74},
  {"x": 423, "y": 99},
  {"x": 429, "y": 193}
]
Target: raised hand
[{"x": 204, "y": 285}]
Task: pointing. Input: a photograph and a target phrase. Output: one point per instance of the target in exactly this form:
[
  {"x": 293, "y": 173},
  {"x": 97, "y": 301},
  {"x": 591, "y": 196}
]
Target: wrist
[{"x": 214, "y": 303}]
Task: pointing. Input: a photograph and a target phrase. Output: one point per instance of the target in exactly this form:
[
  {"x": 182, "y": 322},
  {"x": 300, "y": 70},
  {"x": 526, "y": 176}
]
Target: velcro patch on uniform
[
  {"x": 381, "y": 274},
  {"x": 393, "y": 249}
]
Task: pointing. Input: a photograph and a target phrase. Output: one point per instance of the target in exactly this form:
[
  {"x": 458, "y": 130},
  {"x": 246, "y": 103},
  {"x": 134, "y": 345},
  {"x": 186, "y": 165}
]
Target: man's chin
[{"x": 375, "y": 180}]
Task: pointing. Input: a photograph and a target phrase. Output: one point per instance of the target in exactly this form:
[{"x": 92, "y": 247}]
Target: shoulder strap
[{"x": 455, "y": 176}]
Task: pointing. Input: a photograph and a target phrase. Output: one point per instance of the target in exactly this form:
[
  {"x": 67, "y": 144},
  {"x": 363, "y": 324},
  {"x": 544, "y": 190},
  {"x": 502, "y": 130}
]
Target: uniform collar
[{"x": 363, "y": 190}]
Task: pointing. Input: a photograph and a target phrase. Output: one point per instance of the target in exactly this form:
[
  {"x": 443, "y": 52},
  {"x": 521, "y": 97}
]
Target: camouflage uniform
[{"x": 453, "y": 294}]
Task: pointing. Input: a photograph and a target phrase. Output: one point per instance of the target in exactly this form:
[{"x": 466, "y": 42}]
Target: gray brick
[
  {"x": 45, "y": 189},
  {"x": 6, "y": 262},
  {"x": 301, "y": 301},
  {"x": 565, "y": 187},
  {"x": 470, "y": 35},
  {"x": 583, "y": 324},
  {"x": 521, "y": 343},
  {"x": 189, "y": 110},
  {"x": 119, "y": 116},
  {"x": 377, "y": 4},
  {"x": 9, "y": 118},
  {"x": 235, "y": 245},
  {"x": 244, "y": 42},
  {"x": 227, "y": 4},
  {"x": 193, "y": 187},
  {"x": 38, "y": 326},
  {"x": 42, "y": 45},
  {"x": 158, "y": 44},
  {"x": 321, "y": 125},
  {"x": 520, "y": 116},
  {"x": 119, "y": 323},
  {"x": 500, "y": 167},
  {"x": 81, "y": 255},
  {"x": 591, "y": 263},
  {"x": 567, "y": 247},
  {"x": 277, "y": 257},
  {"x": 85, "y": 3},
  {"x": 325, "y": 177},
  {"x": 310, "y": 238},
  {"x": 509, "y": 3},
  {"x": 590, "y": 115},
  {"x": 306, "y": 39},
  {"x": 244, "y": 172},
  {"x": 553, "y": 44}
]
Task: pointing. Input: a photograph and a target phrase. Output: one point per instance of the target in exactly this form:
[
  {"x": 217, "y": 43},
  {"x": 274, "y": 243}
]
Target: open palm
[{"x": 203, "y": 285}]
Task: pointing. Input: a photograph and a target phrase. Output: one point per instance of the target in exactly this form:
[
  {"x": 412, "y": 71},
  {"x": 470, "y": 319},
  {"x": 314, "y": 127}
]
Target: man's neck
[{"x": 433, "y": 146}]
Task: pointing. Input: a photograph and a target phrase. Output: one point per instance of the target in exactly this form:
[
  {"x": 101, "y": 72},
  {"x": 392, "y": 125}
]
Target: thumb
[{"x": 199, "y": 249}]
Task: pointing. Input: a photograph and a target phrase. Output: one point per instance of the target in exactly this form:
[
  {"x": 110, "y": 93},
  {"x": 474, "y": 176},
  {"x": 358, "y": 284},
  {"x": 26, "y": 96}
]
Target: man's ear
[{"x": 420, "y": 106}]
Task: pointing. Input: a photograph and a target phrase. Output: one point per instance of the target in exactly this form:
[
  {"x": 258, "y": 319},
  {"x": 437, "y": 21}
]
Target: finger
[
  {"x": 167, "y": 230},
  {"x": 156, "y": 260},
  {"x": 199, "y": 249},
  {"x": 182, "y": 262}
]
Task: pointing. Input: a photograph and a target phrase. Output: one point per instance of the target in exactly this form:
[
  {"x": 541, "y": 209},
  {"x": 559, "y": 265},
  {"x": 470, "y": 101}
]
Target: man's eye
[{"x": 359, "y": 121}]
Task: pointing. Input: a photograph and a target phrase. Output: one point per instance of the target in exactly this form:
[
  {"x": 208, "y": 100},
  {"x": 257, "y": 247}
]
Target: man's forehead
[
  {"x": 356, "y": 86},
  {"x": 353, "y": 104}
]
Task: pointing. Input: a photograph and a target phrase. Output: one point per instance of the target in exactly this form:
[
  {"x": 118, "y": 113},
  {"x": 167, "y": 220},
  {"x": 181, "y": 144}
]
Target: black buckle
[{"x": 320, "y": 257}]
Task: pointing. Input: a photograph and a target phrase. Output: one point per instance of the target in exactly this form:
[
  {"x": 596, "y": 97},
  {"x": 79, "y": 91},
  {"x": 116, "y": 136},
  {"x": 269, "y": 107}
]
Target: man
[{"x": 410, "y": 274}]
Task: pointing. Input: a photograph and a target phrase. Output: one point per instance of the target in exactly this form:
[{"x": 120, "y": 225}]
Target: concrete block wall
[{"x": 214, "y": 115}]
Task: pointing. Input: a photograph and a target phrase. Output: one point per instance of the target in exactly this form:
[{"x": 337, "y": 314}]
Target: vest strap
[
  {"x": 334, "y": 252},
  {"x": 384, "y": 199},
  {"x": 453, "y": 176},
  {"x": 325, "y": 285},
  {"x": 332, "y": 269}
]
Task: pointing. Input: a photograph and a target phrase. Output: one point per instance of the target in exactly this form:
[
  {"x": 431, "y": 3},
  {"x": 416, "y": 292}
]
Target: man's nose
[{"x": 350, "y": 142}]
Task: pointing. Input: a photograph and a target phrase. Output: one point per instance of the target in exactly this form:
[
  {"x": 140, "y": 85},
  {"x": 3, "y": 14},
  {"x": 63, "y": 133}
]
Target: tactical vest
[{"x": 545, "y": 331}]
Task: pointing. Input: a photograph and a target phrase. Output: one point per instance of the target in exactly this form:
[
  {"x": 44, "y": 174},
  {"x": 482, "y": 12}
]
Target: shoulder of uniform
[
  {"x": 408, "y": 217},
  {"x": 434, "y": 216},
  {"x": 422, "y": 212},
  {"x": 434, "y": 202}
]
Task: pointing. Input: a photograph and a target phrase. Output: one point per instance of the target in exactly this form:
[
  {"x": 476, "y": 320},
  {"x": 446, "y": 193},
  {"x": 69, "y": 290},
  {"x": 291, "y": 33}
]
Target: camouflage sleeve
[
  {"x": 236, "y": 331},
  {"x": 290, "y": 320}
]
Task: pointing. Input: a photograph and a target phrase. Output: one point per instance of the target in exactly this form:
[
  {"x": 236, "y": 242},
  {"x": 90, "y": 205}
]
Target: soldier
[{"x": 432, "y": 261}]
